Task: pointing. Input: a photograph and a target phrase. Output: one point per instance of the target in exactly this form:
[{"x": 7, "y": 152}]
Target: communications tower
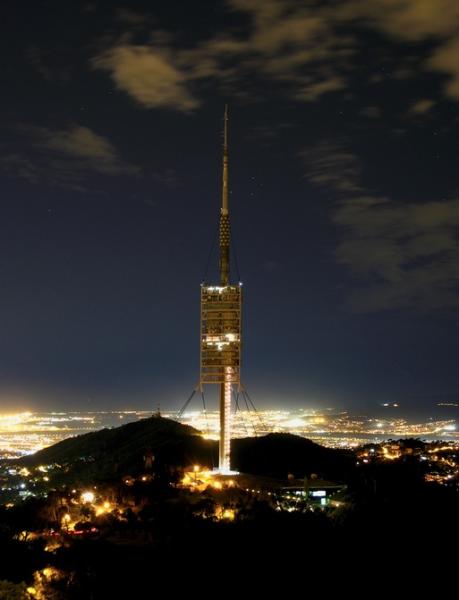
[{"x": 221, "y": 325}]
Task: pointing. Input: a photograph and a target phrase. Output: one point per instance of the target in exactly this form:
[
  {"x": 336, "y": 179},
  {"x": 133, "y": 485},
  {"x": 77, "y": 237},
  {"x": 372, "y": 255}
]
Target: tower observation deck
[{"x": 221, "y": 325}]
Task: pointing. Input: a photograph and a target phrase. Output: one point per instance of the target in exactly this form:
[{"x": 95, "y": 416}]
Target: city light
[
  {"x": 28, "y": 432},
  {"x": 87, "y": 497}
]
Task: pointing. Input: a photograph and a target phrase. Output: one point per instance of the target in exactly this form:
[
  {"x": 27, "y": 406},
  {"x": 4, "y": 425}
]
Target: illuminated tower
[{"x": 221, "y": 325}]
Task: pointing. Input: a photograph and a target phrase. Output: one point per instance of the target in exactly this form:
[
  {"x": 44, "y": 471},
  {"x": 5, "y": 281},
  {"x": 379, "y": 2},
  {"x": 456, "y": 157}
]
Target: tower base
[{"x": 228, "y": 472}]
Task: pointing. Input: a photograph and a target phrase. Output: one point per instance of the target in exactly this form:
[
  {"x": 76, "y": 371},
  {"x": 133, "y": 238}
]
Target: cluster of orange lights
[
  {"x": 87, "y": 498},
  {"x": 200, "y": 479}
]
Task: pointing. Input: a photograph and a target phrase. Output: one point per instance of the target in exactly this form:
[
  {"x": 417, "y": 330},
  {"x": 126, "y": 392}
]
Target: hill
[
  {"x": 120, "y": 450},
  {"x": 116, "y": 452},
  {"x": 278, "y": 454}
]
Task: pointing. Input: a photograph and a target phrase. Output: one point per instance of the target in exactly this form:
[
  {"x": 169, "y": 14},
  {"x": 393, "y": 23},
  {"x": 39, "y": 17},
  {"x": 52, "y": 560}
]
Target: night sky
[{"x": 344, "y": 128}]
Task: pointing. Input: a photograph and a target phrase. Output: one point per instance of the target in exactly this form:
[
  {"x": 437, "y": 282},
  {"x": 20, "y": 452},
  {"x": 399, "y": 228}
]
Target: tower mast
[
  {"x": 224, "y": 214},
  {"x": 225, "y": 385},
  {"x": 221, "y": 325}
]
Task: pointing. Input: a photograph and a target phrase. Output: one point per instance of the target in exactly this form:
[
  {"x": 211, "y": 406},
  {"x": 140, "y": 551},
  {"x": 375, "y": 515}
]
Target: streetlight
[
  {"x": 66, "y": 521},
  {"x": 87, "y": 497}
]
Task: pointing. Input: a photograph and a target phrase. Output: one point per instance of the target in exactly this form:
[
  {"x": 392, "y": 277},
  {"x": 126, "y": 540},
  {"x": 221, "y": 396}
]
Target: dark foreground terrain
[{"x": 146, "y": 526}]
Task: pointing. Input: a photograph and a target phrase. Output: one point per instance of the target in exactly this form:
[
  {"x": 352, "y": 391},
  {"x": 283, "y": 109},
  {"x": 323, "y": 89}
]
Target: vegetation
[{"x": 159, "y": 533}]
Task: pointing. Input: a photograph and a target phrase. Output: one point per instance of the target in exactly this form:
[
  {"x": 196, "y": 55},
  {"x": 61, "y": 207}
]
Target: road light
[{"x": 87, "y": 497}]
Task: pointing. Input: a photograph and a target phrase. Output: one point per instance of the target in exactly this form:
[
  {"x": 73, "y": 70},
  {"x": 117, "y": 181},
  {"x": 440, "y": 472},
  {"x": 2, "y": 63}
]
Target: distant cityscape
[
  {"x": 150, "y": 484},
  {"x": 27, "y": 432}
]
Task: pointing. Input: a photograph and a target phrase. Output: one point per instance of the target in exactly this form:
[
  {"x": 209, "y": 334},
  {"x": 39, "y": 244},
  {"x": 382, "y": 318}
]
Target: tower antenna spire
[
  {"x": 224, "y": 211},
  {"x": 225, "y": 161}
]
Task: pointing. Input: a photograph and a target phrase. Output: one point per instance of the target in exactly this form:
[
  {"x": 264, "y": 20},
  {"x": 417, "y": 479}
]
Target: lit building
[{"x": 314, "y": 491}]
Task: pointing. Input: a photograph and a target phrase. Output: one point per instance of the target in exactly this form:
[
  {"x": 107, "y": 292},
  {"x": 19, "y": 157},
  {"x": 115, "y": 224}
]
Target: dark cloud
[
  {"x": 403, "y": 254},
  {"x": 372, "y": 112},
  {"x": 421, "y": 107},
  {"x": 278, "y": 45},
  {"x": 307, "y": 47},
  {"x": 148, "y": 75},
  {"x": 63, "y": 157}
]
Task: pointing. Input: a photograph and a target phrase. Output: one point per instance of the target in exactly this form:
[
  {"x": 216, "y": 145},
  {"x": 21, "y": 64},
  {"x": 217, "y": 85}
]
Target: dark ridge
[
  {"x": 278, "y": 454},
  {"x": 120, "y": 451}
]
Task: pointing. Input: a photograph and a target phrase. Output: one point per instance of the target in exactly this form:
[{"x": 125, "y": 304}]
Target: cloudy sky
[{"x": 344, "y": 198}]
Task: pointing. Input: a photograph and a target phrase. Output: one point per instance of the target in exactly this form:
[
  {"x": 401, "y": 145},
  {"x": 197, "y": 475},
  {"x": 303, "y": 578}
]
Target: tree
[{"x": 13, "y": 591}]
